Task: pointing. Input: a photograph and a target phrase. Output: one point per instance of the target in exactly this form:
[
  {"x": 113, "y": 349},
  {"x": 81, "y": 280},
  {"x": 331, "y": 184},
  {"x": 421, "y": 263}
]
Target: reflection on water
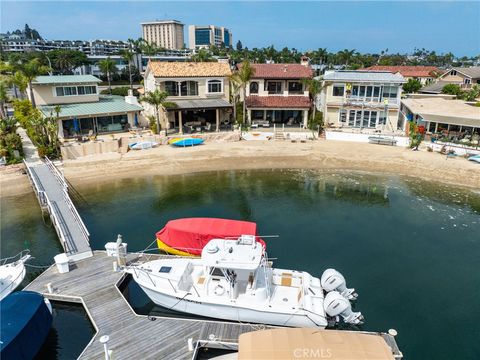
[{"x": 409, "y": 247}]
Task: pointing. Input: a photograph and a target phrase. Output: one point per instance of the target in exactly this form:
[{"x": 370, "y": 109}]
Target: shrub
[
  {"x": 120, "y": 91},
  {"x": 153, "y": 123},
  {"x": 317, "y": 122}
]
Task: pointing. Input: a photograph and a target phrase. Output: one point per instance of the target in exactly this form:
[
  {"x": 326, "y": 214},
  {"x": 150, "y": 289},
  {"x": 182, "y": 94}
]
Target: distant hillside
[{"x": 26, "y": 33}]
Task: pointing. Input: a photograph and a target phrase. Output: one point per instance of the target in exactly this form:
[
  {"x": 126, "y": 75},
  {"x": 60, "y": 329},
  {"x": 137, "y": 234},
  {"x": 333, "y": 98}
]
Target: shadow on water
[{"x": 71, "y": 331}]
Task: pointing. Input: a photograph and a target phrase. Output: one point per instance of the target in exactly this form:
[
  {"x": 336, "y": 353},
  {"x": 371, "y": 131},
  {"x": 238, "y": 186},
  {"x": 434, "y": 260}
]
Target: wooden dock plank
[{"x": 93, "y": 282}]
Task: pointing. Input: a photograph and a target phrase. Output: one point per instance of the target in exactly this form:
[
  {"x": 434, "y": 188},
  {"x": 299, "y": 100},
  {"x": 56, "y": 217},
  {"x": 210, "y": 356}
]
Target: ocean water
[{"x": 411, "y": 248}]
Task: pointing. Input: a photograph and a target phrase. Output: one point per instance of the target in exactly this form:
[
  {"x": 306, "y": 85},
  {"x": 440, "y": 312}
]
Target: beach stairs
[{"x": 278, "y": 135}]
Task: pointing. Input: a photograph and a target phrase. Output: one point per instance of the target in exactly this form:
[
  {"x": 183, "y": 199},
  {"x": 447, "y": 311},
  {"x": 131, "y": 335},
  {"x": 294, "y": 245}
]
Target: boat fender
[{"x": 219, "y": 290}]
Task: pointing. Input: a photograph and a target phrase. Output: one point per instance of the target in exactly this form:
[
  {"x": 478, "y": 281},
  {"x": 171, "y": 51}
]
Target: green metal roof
[
  {"x": 106, "y": 105},
  {"x": 66, "y": 79}
]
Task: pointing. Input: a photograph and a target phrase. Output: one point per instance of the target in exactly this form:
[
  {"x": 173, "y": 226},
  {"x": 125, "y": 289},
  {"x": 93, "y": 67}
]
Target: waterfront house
[
  {"x": 82, "y": 110},
  {"x": 444, "y": 116},
  {"x": 424, "y": 74},
  {"x": 361, "y": 99},
  {"x": 198, "y": 93},
  {"x": 276, "y": 94}
]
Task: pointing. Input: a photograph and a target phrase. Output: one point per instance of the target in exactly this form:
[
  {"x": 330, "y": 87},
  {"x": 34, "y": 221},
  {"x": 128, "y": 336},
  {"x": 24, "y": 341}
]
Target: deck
[{"x": 93, "y": 283}]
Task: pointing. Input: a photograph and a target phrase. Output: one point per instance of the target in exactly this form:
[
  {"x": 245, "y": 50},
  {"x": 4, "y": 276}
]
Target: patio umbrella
[
  {"x": 76, "y": 125},
  {"x": 136, "y": 120}
]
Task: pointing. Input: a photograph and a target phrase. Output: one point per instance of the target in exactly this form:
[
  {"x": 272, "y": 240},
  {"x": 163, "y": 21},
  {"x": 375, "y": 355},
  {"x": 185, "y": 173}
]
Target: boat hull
[{"x": 189, "y": 304}]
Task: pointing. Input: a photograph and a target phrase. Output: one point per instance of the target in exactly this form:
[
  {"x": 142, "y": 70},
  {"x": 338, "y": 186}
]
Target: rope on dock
[{"x": 38, "y": 266}]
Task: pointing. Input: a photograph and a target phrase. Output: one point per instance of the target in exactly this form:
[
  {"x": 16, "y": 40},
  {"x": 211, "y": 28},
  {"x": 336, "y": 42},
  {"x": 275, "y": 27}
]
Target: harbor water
[{"x": 410, "y": 248}]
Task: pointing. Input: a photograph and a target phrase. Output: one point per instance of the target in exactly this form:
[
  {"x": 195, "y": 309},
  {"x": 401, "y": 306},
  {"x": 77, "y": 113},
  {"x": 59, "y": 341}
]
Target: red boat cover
[{"x": 192, "y": 234}]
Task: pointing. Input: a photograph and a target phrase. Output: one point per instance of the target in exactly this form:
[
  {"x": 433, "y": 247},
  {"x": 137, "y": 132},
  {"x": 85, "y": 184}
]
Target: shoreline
[{"x": 330, "y": 156}]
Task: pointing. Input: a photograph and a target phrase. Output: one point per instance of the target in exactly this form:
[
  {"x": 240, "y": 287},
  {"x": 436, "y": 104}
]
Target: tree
[
  {"x": 157, "y": 100},
  {"x": 412, "y": 86},
  {"x": 31, "y": 70},
  {"x": 314, "y": 88},
  {"x": 235, "y": 90},
  {"x": 239, "y": 45},
  {"x": 202, "y": 55},
  {"x": 127, "y": 56},
  {"x": 242, "y": 77},
  {"x": 64, "y": 61},
  {"x": 452, "y": 89},
  {"x": 108, "y": 68},
  {"x": 3, "y": 98},
  {"x": 472, "y": 94}
]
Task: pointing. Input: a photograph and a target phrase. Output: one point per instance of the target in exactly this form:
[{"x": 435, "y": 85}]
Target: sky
[{"x": 442, "y": 26}]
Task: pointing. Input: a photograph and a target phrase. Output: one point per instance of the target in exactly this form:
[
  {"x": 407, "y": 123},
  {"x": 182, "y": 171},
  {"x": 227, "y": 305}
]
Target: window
[
  {"x": 338, "y": 90},
  {"x": 351, "y": 118},
  {"x": 75, "y": 90},
  {"x": 188, "y": 88},
  {"x": 171, "y": 88},
  {"x": 214, "y": 86},
  {"x": 295, "y": 87},
  {"x": 453, "y": 72},
  {"x": 274, "y": 87},
  {"x": 165, "y": 269},
  {"x": 254, "y": 87},
  {"x": 390, "y": 92},
  {"x": 257, "y": 114},
  {"x": 466, "y": 81},
  {"x": 342, "y": 117}
]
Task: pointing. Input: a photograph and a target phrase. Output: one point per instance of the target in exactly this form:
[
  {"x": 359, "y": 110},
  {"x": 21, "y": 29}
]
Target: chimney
[
  {"x": 130, "y": 99},
  {"x": 304, "y": 60}
]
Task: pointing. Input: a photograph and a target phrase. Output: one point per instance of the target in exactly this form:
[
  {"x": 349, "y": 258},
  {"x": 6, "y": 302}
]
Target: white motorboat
[
  {"x": 233, "y": 280},
  {"x": 12, "y": 272}
]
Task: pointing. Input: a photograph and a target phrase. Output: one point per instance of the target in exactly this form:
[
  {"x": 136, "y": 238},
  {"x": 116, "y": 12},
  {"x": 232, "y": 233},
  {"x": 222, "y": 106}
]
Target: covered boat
[
  {"x": 234, "y": 280},
  {"x": 188, "y": 236},
  {"x": 25, "y": 319}
]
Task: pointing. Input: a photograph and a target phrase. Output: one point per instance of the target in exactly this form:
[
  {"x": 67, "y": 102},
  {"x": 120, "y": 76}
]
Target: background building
[
  {"x": 18, "y": 44},
  {"x": 166, "y": 34},
  {"x": 205, "y": 36}
]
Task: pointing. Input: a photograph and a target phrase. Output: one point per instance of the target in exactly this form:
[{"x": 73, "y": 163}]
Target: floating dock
[{"x": 93, "y": 283}]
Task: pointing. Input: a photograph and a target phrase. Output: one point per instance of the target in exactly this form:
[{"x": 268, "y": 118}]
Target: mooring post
[{"x": 104, "y": 340}]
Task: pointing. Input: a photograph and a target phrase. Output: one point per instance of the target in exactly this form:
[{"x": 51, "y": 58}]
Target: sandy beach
[{"x": 321, "y": 155}]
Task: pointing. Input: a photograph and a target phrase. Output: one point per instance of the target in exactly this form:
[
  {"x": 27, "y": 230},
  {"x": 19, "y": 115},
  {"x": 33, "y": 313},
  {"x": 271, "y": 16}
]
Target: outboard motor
[
  {"x": 332, "y": 280},
  {"x": 335, "y": 304}
]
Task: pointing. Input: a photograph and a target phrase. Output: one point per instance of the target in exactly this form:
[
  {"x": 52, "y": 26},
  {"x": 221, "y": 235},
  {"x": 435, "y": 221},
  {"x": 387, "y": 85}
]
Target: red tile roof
[
  {"x": 278, "y": 102},
  {"x": 282, "y": 71},
  {"x": 409, "y": 71}
]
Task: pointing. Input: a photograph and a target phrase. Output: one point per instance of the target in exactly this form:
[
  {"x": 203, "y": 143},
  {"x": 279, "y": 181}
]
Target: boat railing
[{"x": 15, "y": 258}]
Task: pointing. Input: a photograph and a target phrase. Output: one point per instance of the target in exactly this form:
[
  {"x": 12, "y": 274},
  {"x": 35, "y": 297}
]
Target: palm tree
[
  {"x": 108, "y": 67},
  {"x": 235, "y": 89},
  {"x": 149, "y": 49},
  {"x": 242, "y": 77},
  {"x": 346, "y": 55},
  {"x": 156, "y": 99},
  {"x": 3, "y": 98},
  {"x": 127, "y": 56},
  {"x": 30, "y": 71},
  {"x": 314, "y": 88}
]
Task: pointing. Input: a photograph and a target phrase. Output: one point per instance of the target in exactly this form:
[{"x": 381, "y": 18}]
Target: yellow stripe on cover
[{"x": 164, "y": 247}]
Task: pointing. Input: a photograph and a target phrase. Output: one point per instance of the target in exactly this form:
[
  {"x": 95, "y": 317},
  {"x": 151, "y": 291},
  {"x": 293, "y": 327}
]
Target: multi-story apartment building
[
  {"x": 205, "y": 36},
  {"x": 167, "y": 34},
  {"x": 199, "y": 91},
  {"x": 361, "y": 99},
  {"x": 276, "y": 94},
  {"x": 17, "y": 44},
  {"x": 82, "y": 110}
]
